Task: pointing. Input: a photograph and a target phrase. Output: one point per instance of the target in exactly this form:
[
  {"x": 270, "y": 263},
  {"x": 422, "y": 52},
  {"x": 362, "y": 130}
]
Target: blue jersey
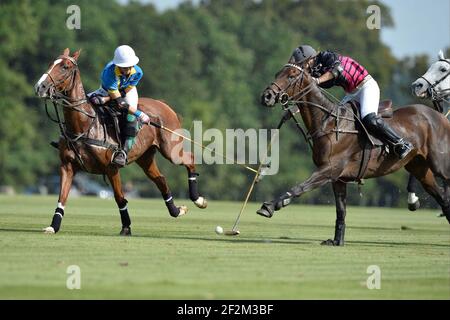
[{"x": 113, "y": 80}]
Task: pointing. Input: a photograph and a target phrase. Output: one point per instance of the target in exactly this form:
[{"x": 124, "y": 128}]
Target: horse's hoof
[
  {"x": 49, "y": 230},
  {"x": 265, "y": 210},
  {"x": 183, "y": 210},
  {"x": 264, "y": 213},
  {"x": 126, "y": 232},
  {"x": 201, "y": 202},
  {"x": 414, "y": 206},
  {"x": 328, "y": 242}
]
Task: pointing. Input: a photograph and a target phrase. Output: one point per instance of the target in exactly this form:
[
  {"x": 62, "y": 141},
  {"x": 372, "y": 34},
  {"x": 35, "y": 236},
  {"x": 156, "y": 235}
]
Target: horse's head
[
  {"x": 59, "y": 77},
  {"x": 288, "y": 85},
  {"x": 435, "y": 81}
]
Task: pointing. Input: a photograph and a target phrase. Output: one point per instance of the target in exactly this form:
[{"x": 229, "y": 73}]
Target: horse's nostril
[{"x": 419, "y": 85}]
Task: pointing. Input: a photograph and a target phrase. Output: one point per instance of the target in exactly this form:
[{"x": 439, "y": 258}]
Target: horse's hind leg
[
  {"x": 122, "y": 203},
  {"x": 195, "y": 197},
  {"x": 148, "y": 164},
  {"x": 66, "y": 177},
  {"x": 186, "y": 159},
  {"x": 428, "y": 181},
  {"x": 413, "y": 200}
]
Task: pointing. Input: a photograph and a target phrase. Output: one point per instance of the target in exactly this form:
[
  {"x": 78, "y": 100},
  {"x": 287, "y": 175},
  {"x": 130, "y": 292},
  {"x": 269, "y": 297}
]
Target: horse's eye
[
  {"x": 65, "y": 67},
  {"x": 443, "y": 70},
  {"x": 291, "y": 76}
]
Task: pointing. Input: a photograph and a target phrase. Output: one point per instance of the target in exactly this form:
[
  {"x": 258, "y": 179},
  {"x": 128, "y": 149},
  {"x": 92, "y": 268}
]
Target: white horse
[{"x": 434, "y": 85}]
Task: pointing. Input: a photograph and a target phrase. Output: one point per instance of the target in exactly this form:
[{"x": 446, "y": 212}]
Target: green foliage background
[{"x": 209, "y": 61}]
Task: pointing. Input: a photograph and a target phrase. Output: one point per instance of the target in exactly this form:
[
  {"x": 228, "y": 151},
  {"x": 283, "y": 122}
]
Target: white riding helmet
[{"x": 124, "y": 56}]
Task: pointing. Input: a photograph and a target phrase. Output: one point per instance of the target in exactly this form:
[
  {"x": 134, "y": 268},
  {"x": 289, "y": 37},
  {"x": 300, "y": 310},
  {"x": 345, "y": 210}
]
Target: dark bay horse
[
  {"x": 86, "y": 144},
  {"x": 338, "y": 157}
]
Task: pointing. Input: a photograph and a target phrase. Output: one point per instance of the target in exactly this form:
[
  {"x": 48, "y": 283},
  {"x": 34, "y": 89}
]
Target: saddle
[
  {"x": 384, "y": 110},
  {"x": 111, "y": 120},
  {"x": 366, "y": 140}
]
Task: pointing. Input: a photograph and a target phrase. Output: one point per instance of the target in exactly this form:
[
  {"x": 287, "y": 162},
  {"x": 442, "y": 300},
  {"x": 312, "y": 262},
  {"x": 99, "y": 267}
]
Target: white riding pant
[
  {"x": 368, "y": 97},
  {"x": 131, "y": 97}
]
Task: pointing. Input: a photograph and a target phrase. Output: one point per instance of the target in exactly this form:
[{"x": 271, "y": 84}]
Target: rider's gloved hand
[
  {"x": 142, "y": 116},
  {"x": 122, "y": 104},
  {"x": 97, "y": 100}
]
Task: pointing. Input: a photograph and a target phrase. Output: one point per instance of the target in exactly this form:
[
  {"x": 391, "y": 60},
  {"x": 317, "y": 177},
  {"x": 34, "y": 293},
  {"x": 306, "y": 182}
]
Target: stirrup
[
  {"x": 402, "y": 148},
  {"x": 119, "y": 158}
]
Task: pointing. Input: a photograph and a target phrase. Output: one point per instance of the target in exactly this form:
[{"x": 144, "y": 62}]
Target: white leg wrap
[
  {"x": 49, "y": 230},
  {"x": 201, "y": 202},
  {"x": 412, "y": 198}
]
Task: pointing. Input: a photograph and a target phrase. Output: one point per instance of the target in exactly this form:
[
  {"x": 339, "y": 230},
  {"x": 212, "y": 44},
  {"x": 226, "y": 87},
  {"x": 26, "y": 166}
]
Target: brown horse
[
  {"x": 338, "y": 156},
  {"x": 86, "y": 144}
]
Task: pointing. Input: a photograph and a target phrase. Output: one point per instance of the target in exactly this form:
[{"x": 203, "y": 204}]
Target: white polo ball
[{"x": 219, "y": 230}]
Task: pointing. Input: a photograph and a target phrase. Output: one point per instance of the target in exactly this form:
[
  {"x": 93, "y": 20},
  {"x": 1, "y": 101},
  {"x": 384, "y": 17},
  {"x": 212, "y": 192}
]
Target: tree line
[{"x": 210, "y": 61}]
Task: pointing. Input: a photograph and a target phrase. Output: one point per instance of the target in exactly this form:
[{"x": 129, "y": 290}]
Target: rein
[{"x": 286, "y": 100}]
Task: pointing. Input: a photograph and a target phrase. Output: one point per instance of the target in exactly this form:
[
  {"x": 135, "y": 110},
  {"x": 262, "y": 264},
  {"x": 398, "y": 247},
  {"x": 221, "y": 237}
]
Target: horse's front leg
[
  {"x": 66, "y": 177},
  {"x": 413, "y": 200},
  {"x": 317, "y": 179},
  {"x": 122, "y": 203},
  {"x": 340, "y": 195}
]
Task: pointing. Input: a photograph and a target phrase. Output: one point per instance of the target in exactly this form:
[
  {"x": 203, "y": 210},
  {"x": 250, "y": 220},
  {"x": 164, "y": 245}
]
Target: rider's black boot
[
  {"x": 383, "y": 131},
  {"x": 120, "y": 157}
]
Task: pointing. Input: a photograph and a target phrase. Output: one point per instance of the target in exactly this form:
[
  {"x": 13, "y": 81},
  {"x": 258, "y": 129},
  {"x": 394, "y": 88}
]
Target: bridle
[
  {"x": 283, "y": 96},
  {"x": 285, "y": 99},
  {"x": 438, "y": 95},
  {"x": 59, "y": 97},
  {"x": 297, "y": 99}
]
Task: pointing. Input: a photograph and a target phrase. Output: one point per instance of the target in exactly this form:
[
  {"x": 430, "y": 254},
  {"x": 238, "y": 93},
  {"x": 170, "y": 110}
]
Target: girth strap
[
  {"x": 365, "y": 158},
  {"x": 99, "y": 143}
]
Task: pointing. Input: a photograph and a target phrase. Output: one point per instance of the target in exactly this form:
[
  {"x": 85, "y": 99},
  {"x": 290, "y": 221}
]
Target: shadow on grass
[
  {"x": 235, "y": 239},
  {"x": 21, "y": 230}
]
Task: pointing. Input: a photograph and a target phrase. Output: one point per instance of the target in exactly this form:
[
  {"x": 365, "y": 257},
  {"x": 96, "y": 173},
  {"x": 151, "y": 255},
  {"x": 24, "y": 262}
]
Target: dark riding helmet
[{"x": 302, "y": 53}]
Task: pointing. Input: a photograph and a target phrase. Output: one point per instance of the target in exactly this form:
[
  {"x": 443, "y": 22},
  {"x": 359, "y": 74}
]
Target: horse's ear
[
  {"x": 441, "y": 55},
  {"x": 76, "y": 54},
  {"x": 66, "y": 52}
]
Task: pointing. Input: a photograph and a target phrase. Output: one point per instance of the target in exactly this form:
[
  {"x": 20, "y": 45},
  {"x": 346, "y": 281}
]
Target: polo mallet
[
  {"x": 448, "y": 112},
  {"x": 258, "y": 176},
  {"x": 160, "y": 126}
]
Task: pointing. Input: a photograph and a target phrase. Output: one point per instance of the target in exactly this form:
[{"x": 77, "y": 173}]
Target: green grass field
[{"x": 278, "y": 258}]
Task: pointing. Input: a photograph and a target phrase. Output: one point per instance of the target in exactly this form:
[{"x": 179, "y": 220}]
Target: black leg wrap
[
  {"x": 193, "y": 189},
  {"x": 339, "y": 233},
  {"x": 173, "y": 210},
  {"x": 412, "y": 184},
  {"x": 125, "y": 218},
  {"x": 283, "y": 201},
  {"x": 57, "y": 218},
  {"x": 268, "y": 208}
]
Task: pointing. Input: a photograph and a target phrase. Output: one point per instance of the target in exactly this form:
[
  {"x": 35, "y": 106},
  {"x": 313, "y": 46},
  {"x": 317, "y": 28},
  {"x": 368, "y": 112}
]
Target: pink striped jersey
[
  {"x": 348, "y": 73},
  {"x": 353, "y": 73}
]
